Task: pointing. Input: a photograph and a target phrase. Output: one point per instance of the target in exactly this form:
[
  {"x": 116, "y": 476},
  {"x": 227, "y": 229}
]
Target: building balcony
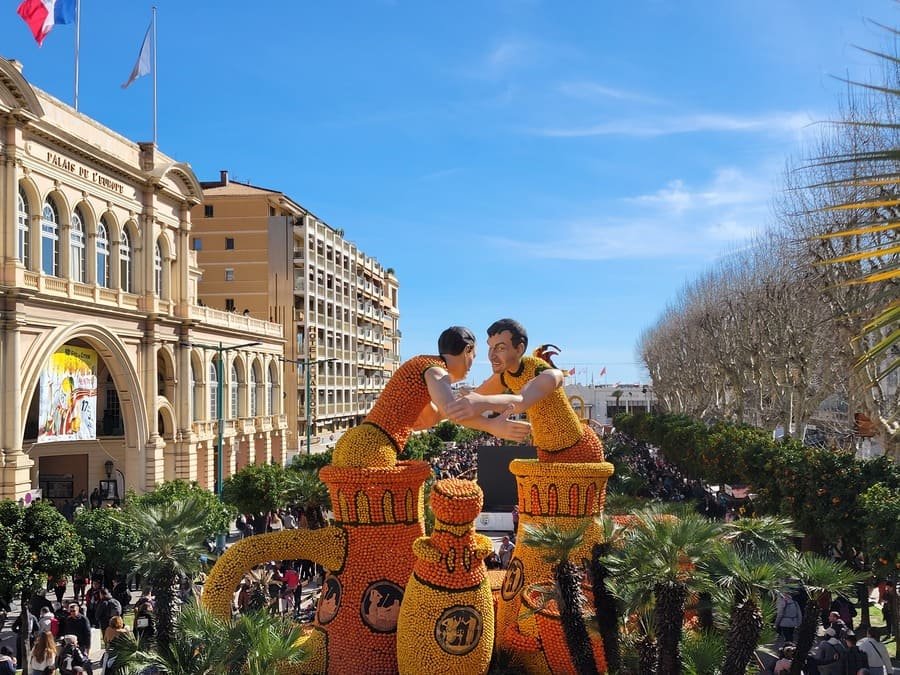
[{"x": 215, "y": 317}]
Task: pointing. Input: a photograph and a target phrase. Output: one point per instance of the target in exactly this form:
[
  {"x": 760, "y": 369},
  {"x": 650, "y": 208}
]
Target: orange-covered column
[{"x": 447, "y": 619}]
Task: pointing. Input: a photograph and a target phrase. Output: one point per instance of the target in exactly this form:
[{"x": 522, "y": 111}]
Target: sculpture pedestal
[{"x": 561, "y": 494}]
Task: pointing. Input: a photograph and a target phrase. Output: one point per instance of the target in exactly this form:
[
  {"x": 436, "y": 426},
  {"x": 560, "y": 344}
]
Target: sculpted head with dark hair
[
  {"x": 517, "y": 334},
  {"x": 454, "y": 340}
]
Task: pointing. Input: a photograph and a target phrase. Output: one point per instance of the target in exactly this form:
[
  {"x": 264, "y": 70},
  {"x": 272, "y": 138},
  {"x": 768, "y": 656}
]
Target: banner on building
[{"x": 68, "y": 396}]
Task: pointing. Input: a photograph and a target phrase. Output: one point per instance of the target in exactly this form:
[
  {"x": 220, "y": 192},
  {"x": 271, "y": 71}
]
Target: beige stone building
[
  {"x": 109, "y": 367},
  {"x": 265, "y": 255}
]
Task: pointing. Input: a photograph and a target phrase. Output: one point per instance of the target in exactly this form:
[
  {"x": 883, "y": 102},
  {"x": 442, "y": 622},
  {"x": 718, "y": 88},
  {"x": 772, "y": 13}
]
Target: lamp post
[
  {"x": 306, "y": 365},
  {"x": 220, "y": 408}
]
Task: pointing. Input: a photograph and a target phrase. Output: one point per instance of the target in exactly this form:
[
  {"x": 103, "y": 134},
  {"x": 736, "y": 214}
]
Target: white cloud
[
  {"x": 675, "y": 221},
  {"x": 729, "y": 187},
  {"x": 780, "y": 122},
  {"x": 594, "y": 90}
]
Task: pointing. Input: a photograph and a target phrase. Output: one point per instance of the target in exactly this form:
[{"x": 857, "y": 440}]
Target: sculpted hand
[
  {"x": 462, "y": 408},
  {"x": 510, "y": 430}
]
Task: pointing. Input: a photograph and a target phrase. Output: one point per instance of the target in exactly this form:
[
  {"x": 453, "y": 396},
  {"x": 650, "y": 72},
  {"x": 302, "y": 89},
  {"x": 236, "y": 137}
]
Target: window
[
  {"x": 22, "y": 230},
  {"x": 229, "y": 274},
  {"x": 197, "y": 244},
  {"x": 229, "y": 243},
  {"x": 229, "y": 304},
  {"x": 208, "y": 211},
  {"x": 193, "y": 408},
  {"x": 271, "y": 210},
  {"x": 270, "y": 392},
  {"x": 213, "y": 391},
  {"x": 102, "y": 255},
  {"x": 125, "y": 270},
  {"x": 157, "y": 270},
  {"x": 49, "y": 240},
  {"x": 234, "y": 391},
  {"x": 76, "y": 240},
  {"x": 252, "y": 388}
]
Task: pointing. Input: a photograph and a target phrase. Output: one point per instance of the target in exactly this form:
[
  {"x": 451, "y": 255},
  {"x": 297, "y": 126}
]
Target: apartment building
[
  {"x": 113, "y": 376},
  {"x": 265, "y": 256}
]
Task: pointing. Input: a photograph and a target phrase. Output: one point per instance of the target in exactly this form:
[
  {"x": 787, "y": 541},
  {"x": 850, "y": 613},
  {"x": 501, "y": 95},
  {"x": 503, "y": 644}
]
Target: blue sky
[{"x": 569, "y": 164}]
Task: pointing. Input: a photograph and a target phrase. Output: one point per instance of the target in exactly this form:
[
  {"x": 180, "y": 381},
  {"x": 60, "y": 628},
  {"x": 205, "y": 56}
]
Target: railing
[{"x": 215, "y": 317}]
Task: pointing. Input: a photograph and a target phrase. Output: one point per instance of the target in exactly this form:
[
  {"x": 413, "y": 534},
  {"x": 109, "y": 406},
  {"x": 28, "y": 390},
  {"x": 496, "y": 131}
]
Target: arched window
[
  {"x": 125, "y": 270},
  {"x": 192, "y": 399},
  {"x": 270, "y": 393},
  {"x": 157, "y": 270},
  {"x": 252, "y": 386},
  {"x": 234, "y": 391},
  {"x": 22, "y": 228},
  {"x": 76, "y": 242},
  {"x": 49, "y": 240},
  {"x": 213, "y": 392},
  {"x": 102, "y": 255}
]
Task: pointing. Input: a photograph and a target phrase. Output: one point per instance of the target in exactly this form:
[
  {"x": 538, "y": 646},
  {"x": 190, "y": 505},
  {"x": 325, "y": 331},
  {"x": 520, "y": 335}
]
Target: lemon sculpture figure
[
  {"x": 563, "y": 487},
  {"x": 379, "y": 514},
  {"x": 447, "y": 618}
]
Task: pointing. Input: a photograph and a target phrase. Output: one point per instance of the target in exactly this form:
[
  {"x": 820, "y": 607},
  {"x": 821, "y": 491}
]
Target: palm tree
[
  {"x": 664, "y": 552},
  {"x": 606, "y": 605},
  {"x": 745, "y": 580},
  {"x": 306, "y": 491},
  {"x": 203, "y": 644},
  {"x": 557, "y": 546},
  {"x": 747, "y": 565},
  {"x": 172, "y": 539},
  {"x": 864, "y": 193},
  {"x": 817, "y": 575}
]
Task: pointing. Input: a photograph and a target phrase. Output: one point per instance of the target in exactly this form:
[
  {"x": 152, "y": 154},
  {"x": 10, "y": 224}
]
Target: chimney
[{"x": 223, "y": 177}]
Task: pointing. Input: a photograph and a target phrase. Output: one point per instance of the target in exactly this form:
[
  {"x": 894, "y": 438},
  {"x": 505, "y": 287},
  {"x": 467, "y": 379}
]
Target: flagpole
[
  {"x": 154, "y": 76},
  {"x": 77, "y": 45}
]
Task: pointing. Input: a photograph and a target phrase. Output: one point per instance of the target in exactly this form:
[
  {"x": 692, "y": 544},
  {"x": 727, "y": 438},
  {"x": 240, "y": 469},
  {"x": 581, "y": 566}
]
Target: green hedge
[{"x": 829, "y": 494}]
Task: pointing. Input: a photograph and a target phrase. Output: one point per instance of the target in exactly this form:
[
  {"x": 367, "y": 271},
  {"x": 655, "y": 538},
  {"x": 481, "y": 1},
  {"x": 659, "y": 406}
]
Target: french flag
[{"x": 42, "y": 15}]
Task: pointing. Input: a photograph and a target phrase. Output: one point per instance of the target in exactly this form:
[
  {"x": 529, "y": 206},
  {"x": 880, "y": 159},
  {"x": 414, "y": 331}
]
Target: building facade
[
  {"x": 266, "y": 256},
  {"x": 112, "y": 374},
  {"x": 603, "y": 402}
]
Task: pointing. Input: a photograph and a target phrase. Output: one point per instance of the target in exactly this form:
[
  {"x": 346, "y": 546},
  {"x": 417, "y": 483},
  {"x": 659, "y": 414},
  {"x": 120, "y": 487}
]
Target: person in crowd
[
  {"x": 92, "y": 600},
  {"x": 115, "y": 628},
  {"x": 73, "y": 660},
  {"x": 879, "y": 661},
  {"x": 418, "y": 396},
  {"x": 60, "y": 584},
  {"x": 121, "y": 593},
  {"x": 77, "y": 624},
  {"x": 107, "y": 608},
  {"x": 845, "y": 610},
  {"x": 4, "y": 611},
  {"x": 275, "y": 522},
  {"x": 7, "y": 661},
  {"x": 144, "y": 621},
  {"x": 96, "y": 499},
  {"x": 79, "y": 581},
  {"x": 47, "y": 621},
  {"x": 43, "y": 655},
  {"x": 289, "y": 520},
  {"x": 788, "y": 616},
  {"x": 785, "y": 659},
  {"x": 31, "y": 632},
  {"x": 855, "y": 661},
  {"x": 505, "y": 552},
  {"x": 492, "y": 562},
  {"x": 829, "y": 655}
]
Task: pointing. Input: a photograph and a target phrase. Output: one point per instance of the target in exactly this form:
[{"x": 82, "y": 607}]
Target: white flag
[{"x": 142, "y": 65}]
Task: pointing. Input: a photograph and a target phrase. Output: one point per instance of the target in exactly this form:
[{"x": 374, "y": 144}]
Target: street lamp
[
  {"x": 306, "y": 365},
  {"x": 220, "y": 412}
]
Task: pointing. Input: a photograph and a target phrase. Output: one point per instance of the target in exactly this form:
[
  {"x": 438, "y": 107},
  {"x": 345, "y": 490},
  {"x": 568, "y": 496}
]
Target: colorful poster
[{"x": 68, "y": 396}]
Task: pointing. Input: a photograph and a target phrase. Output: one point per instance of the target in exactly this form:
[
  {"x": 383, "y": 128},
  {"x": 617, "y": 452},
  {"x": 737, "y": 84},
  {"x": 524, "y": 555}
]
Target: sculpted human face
[
  {"x": 459, "y": 365},
  {"x": 503, "y": 356}
]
